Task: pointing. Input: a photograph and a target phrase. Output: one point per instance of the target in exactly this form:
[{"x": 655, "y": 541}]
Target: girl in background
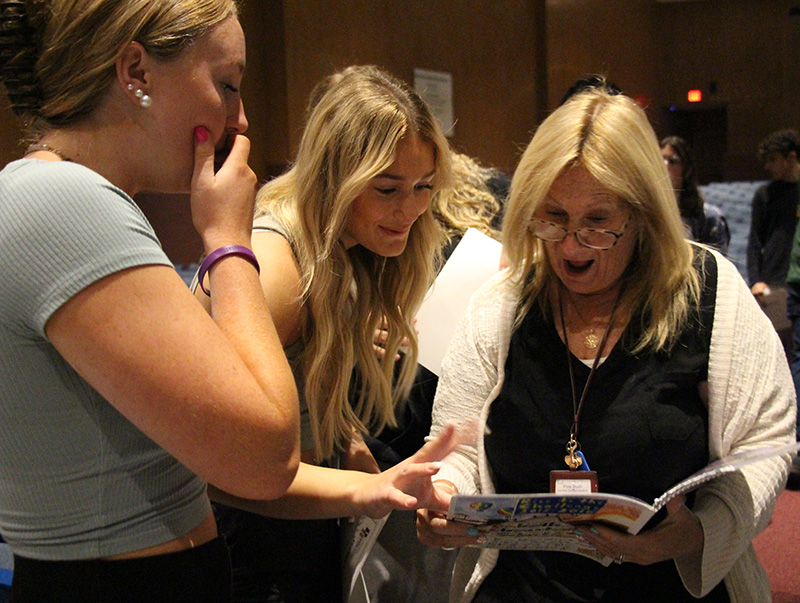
[{"x": 706, "y": 222}]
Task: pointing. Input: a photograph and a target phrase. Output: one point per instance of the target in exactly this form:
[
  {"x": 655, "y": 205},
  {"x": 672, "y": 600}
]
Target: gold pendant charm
[
  {"x": 591, "y": 341},
  {"x": 572, "y": 460}
]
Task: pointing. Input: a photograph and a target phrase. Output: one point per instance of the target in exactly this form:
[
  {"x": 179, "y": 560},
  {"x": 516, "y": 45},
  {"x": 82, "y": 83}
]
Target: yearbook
[{"x": 545, "y": 522}]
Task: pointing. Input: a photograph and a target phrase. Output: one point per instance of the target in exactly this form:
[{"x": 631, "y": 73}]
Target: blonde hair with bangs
[
  {"x": 356, "y": 120},
  {"x": 610, "y": 136}
]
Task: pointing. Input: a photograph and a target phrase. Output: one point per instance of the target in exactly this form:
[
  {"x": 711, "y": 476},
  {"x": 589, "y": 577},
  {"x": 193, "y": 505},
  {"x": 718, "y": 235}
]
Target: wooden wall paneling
[
  {"x": 612, "y": 38},
  {"x": 488, "y": 47},
  {"x": 740, "y": 54},
  {"x": 171, "y": 218},
  {"x": 10, "y": 133},
  {"x": 264, "y": 87}
]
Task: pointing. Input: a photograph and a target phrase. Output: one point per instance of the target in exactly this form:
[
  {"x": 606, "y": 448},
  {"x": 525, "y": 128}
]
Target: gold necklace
[{"x": 590, "y": 341}]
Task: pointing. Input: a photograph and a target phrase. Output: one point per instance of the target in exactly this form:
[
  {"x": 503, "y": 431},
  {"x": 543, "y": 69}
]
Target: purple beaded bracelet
[{"x": 216, "y": 255}]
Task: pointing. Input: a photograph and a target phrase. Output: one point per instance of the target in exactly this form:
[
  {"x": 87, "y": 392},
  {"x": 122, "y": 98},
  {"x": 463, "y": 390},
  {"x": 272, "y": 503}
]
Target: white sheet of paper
[
  {"x": 358, "y": 537},
  {"x": 436, "y": 88},
  {"x": 474, "y": 260}
]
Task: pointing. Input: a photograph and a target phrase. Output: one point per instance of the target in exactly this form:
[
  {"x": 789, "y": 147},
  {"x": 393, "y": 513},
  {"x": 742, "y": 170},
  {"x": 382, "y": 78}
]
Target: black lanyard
[{"x": 577, "y": 406}]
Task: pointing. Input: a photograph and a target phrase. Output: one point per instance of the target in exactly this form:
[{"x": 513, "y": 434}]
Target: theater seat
[{"x": 735, "y": 200}]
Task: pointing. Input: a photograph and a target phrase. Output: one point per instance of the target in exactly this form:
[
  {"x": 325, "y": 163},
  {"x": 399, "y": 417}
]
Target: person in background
[
  {"x": 475, "y": 201},
  {"x": 705, "y": 222},
  {"x": 612, "y": 334},
  {"x": 121, "y": 396},
  {"x": 347, "y": 241},
  {"x": 774, "y": 212},
  {"x": 590, "y": 82},
  {"x": 773, "y": 220}
]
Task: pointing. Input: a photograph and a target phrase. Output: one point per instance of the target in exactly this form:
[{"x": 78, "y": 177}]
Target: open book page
[
  {"x": 544, "y": 522},
  {"x": 358, "y": 538},
  {"x": 474, "y": 260},
  {"x": 722, "y": 466}
]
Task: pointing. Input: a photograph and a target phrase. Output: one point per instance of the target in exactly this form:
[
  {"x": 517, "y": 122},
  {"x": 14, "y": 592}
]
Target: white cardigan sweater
[{"x": 751, "y": 404}]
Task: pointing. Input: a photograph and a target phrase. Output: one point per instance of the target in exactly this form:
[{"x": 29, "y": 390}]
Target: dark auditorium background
[{"x": 511, "y": 62}]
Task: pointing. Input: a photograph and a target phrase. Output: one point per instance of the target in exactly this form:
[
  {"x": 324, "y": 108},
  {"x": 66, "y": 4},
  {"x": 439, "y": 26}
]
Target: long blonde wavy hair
[
  {"x": 470, "y": 203},
  {"x": 355, "y": 121},
  {"x": 611, "y": 137}
]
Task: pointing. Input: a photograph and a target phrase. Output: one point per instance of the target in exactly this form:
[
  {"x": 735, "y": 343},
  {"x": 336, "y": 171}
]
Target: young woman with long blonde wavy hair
[{"x": 347, "y": 241}]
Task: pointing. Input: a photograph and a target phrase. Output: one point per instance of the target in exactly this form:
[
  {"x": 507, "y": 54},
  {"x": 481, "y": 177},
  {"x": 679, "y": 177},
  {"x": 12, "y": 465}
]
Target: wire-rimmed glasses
[{"x": 594, "y": 238}]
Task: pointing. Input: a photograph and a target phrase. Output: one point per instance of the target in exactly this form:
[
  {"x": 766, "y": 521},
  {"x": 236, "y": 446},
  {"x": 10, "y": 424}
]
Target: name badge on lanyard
[{"x": 580, "y": 480}]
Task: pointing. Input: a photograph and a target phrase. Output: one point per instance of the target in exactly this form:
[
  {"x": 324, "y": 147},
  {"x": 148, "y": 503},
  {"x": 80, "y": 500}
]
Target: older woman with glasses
[{"x": 612, "y": 336}]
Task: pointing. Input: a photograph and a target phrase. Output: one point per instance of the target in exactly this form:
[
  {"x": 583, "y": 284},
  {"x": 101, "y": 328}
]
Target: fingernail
[
  {"x": 200, "y": 134},
  {"x": 594, "y": 531},
  {"x": 436, "y": 465},
  {"x": 473, "y": 531}
]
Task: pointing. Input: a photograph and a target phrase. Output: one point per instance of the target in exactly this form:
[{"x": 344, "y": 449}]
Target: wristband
[{"x": 216, "y": 255}]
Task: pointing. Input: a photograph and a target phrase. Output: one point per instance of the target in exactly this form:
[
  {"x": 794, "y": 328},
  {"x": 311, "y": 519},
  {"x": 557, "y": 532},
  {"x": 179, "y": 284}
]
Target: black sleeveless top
[{"x": 643, "y": 428}]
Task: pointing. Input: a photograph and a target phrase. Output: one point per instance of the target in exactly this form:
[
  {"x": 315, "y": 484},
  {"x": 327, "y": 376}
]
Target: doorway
[{"x": 706, "y": 130}]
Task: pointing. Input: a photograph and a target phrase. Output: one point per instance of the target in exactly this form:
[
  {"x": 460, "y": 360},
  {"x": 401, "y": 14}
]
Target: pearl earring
[{"x": 144, "y": 99}]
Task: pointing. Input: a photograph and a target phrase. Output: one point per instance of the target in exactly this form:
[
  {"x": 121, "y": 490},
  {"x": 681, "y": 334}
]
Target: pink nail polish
[{"x": 200, "y": 134}]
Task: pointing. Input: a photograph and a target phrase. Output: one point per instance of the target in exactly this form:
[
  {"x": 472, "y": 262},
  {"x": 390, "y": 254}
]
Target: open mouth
[{"x": 578, "y": 267}]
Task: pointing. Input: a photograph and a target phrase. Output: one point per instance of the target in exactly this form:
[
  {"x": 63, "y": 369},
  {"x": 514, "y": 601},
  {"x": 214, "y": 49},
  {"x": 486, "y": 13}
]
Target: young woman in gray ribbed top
[{"x": 121, "y": 397}]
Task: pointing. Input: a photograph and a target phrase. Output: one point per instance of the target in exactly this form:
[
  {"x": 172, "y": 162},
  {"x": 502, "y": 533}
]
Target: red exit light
[{"x": 694, "y": 96}]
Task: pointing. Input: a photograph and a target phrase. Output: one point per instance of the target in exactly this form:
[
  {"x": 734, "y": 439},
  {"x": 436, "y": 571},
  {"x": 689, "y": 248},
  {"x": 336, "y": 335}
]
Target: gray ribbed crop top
[{"x": 77, "y": 479}]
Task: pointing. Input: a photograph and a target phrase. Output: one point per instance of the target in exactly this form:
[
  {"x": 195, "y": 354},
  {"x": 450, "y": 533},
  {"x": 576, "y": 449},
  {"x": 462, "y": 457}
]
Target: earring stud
[{"x": 144, "y": 99}]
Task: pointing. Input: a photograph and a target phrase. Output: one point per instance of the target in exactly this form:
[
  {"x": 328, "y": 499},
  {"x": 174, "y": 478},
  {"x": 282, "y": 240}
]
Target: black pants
[
  {"x": 199, "y": 574},
  {"x": 518, "y": 577},
  {"x": 282, "y": 560}
]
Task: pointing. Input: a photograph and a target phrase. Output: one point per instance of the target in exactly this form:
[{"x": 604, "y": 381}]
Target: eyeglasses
[
  {"x": 594, "y": 238},
  {"x": 672, "y": 160}
]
